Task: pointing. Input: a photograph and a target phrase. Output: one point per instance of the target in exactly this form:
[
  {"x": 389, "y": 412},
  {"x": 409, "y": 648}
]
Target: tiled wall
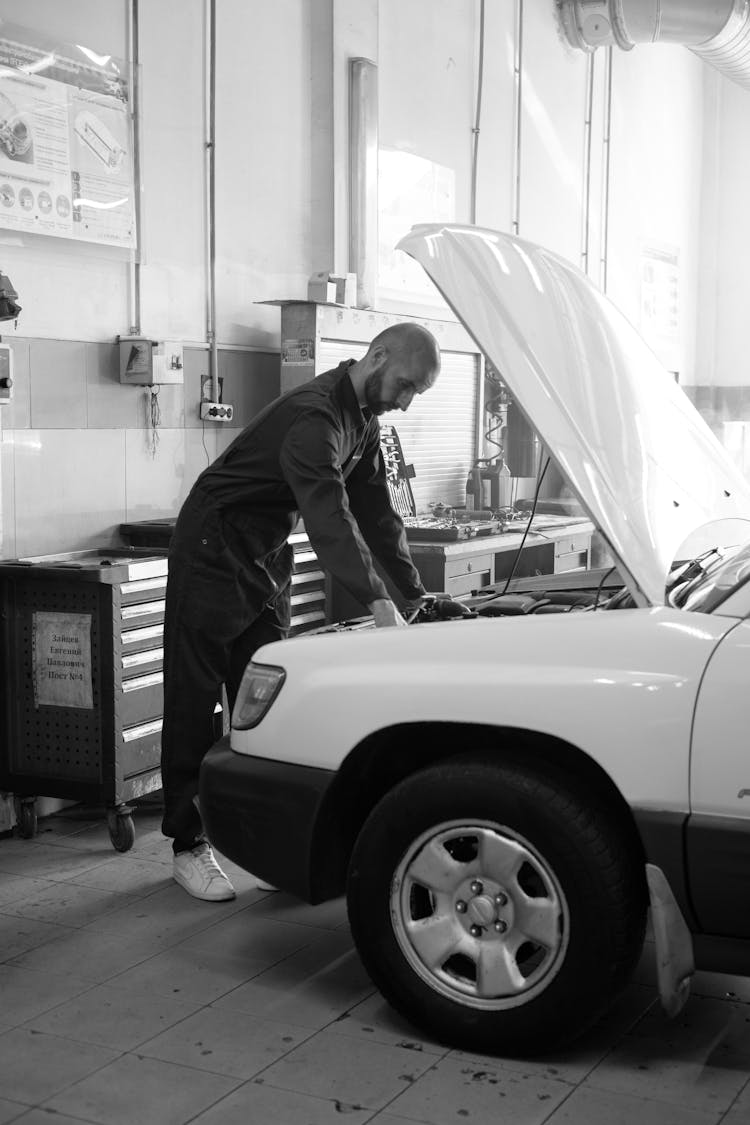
[{"x": 79, "y": 455}]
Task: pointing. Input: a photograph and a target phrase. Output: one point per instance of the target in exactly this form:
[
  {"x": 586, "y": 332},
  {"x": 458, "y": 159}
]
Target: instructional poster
[
  {"x": 61, "y": 646},
  {"x": 66, "y": 162}
]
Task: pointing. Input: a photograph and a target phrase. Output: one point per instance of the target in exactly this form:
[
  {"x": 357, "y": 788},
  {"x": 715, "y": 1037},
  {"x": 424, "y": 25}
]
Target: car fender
[{"x": 620, "y": 686}]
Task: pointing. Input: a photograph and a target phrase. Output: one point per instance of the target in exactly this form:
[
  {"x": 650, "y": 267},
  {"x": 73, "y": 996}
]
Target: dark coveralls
[{"x": 312, "y": 452}]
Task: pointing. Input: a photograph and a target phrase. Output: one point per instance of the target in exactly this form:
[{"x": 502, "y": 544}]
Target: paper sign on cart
[{"x": 61, "y": 646}]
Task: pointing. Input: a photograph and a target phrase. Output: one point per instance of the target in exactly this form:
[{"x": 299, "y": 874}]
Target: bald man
[{"x": 314, "y": 452}]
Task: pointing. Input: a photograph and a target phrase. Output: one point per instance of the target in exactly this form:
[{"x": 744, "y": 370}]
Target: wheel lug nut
[
  {"x": 501, "y": 899},
  {"x": 476, "y": 887},
  {"x": 501, "y": 926},
  {"x": 461, "y": 906},
  {"x": 476, "y": 931}
]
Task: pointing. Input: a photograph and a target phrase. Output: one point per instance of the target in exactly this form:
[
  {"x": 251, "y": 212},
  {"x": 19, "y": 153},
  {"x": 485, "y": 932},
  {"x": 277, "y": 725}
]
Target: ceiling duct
[{"x": 716, "y": 30}]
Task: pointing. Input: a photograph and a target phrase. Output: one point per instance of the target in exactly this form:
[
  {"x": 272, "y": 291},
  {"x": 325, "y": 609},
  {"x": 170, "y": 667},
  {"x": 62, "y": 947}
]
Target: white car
[{"x": 503, "y": 799}]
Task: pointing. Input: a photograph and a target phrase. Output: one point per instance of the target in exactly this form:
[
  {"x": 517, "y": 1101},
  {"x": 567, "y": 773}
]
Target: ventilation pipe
[{"x": 716, "y": 30}]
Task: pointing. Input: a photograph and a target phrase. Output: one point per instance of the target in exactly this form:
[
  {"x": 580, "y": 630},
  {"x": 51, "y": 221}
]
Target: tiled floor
[{"x": 123, "y": 1000}]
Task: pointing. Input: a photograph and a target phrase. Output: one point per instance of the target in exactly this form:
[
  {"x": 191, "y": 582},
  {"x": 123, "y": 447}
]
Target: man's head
[{"x": 402, "y": 361}]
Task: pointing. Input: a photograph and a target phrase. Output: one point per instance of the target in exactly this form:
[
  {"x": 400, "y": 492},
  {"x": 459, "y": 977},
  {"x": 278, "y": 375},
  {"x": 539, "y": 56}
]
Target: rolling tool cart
[
  {"x": 81, "y": 649},
  {"x": 309, "y": 587}
]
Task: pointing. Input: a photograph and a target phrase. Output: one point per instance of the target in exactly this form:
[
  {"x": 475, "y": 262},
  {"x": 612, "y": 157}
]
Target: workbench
[
  {"x": 556, "y": 544},
  {"x": 468, "y": 564}
]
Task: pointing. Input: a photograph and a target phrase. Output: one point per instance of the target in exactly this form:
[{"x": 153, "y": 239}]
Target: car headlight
[{"x": 259, "y": 687}]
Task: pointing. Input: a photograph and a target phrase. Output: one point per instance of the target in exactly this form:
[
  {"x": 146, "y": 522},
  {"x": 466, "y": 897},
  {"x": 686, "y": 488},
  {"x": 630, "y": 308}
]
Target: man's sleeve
[
  {"x": 382, "y": 528},
  {"x": 310, "y": 462}
]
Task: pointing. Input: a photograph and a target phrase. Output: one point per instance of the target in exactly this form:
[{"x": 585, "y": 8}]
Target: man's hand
[
  {"x": 385, "y": 613},
  {"x": 412, "y": 607}
]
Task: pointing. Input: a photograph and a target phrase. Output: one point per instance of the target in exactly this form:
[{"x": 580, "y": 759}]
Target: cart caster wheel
[
  {"x": 27, "y": 820},
  {"x": 121, "y": 830}
]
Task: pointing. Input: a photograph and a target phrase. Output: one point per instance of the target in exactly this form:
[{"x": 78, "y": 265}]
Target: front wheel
[{"x": 496, "y": 905}]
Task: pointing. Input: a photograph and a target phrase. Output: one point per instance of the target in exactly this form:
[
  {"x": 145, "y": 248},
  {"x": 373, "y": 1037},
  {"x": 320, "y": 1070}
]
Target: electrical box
[
  {"x": 6, "y": 373},
  {"x": 146, "y": 363}
]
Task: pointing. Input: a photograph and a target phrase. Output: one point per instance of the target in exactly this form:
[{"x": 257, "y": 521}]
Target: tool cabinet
[{"x": 81, "y": 655}]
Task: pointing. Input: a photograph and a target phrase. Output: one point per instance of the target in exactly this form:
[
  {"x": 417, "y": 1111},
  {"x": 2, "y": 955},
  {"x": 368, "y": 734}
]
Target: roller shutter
[{"x": 439, "y": 431}]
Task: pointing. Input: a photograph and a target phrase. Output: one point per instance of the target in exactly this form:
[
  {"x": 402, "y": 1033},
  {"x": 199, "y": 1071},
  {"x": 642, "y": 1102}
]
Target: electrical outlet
[
  {"x": 207, "y": 389},
  {"x": 216, "y": 412}
]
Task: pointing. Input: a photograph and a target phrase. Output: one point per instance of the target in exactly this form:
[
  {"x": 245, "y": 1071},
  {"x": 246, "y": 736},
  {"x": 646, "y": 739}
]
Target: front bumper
[{"x": 270, "y": 818}]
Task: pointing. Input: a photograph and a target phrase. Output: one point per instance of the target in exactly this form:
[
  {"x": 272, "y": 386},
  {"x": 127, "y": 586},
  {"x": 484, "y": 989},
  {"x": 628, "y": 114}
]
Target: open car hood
[{"x": 642, "y": 461}]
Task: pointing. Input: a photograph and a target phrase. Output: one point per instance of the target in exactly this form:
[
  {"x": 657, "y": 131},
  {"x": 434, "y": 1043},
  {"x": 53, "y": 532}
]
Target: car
[{"x": 507, "y": 790}]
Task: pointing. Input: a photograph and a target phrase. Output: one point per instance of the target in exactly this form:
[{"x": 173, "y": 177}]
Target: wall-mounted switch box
[
  {"x": 168, "y": 365},
  {"x": 145, "y": 362},
  {"x": 6, "y": 373}
]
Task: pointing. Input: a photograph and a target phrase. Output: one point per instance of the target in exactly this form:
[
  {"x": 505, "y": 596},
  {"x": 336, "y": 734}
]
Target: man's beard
[{"x": 373, "y": 391}]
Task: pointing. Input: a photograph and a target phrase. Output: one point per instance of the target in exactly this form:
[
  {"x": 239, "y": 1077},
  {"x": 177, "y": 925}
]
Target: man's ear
[{"x": 378, "y": 357}]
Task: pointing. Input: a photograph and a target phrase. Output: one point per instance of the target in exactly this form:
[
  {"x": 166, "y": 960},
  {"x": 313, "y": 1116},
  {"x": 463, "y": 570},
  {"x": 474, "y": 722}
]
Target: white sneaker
[{"x": 199, "y": 873}]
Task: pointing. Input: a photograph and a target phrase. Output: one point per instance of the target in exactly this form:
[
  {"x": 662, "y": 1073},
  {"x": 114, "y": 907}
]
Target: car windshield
[{"x": 704, "y": 583}]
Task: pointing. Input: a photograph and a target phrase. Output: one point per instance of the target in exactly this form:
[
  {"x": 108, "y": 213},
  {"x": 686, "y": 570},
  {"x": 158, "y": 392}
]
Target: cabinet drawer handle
[{"x": 468, "y": 567}]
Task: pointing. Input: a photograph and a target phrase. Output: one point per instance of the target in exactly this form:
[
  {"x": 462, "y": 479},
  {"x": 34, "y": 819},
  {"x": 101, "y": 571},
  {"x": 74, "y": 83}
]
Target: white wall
[
  {"x": 655, "y": 187},
  {"x": 282, "y": 158},
  {"x": 552, "y": 135},
  {"x": 725, "y": 274}
]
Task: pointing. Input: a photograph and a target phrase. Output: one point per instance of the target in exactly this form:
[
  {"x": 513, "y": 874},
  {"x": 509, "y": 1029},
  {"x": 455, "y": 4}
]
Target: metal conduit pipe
[
  {"x": 716, "y": 30},
  {"x": 209, "y": 113}
]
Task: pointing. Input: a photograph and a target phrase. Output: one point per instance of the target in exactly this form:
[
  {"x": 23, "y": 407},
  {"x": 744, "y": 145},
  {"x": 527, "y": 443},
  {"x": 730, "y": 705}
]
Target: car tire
[{"x": 499, "y": 906}]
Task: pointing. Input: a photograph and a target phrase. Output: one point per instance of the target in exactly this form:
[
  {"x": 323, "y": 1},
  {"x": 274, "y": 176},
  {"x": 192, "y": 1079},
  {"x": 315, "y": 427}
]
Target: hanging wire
[
  {"x": 517, "y": 558},
  {"x": 154, "y": 418},
  {"x": 203, "y": 440},
  {"x": 477, "y": 116}
]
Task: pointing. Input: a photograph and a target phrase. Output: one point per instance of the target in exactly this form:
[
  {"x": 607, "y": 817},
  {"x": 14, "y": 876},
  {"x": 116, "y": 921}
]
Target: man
[{"x": 314, "y": 452}]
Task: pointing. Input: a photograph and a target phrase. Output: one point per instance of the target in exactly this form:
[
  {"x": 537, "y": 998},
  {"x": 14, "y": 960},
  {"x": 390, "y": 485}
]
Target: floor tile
[
  {"x": 45, "y": 861},
  {"x": 67, "y": 822},
  {"x": 365, "y": 1075},
  {"x": 700, "y": 1060},
  {"x": 34, "y": 1067},
  {"x": 721, "y": 986},
  {"x": 197, "y": 975},
  {"x": 25, "y": 993},
  {"x": 743, "y": 1100},
  {"x": 146, "y": 1091},
  {"x": 11, "y": 1111},
  {"x": 169, "y": 913},
  {"x": 259, "y": 1010},
  {"x": 310, "y": 988},
  {"x": 592, "y": 1107},
  {"x": 88, "y": 954},
  {"x": 152, "y": 844},
  {"x": 573, "y": 1063},
  {"x": 454, "y": 1089},
  {"x": 718, "y": 1029},
  {"x": 14, "y": 888},
  {"x": 92, "y": 838},
  {"x": 254, "y": 1102},
  {"x": 384, "y": 1118},
  {"x": 225, "y": 1042},
  {"x": 285, "y": 908},
  {"x": 376, "y": 1021},
  {"x": 68, "y": 904},
  {"x": 258, "y": 939},
  {"x": 43, "y": 1117},
  {"x": 139, "y": 877},
  {"x": 17, "y": 935},
  {"x": 112, "y": 1017}
]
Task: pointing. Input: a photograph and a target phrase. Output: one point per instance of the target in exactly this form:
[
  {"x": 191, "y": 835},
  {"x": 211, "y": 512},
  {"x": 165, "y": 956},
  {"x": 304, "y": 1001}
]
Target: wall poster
[
  {"x": 66, "y": 152},
  {"x": 61, "y": 655},
  {"x": 660, "y": 300}
]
